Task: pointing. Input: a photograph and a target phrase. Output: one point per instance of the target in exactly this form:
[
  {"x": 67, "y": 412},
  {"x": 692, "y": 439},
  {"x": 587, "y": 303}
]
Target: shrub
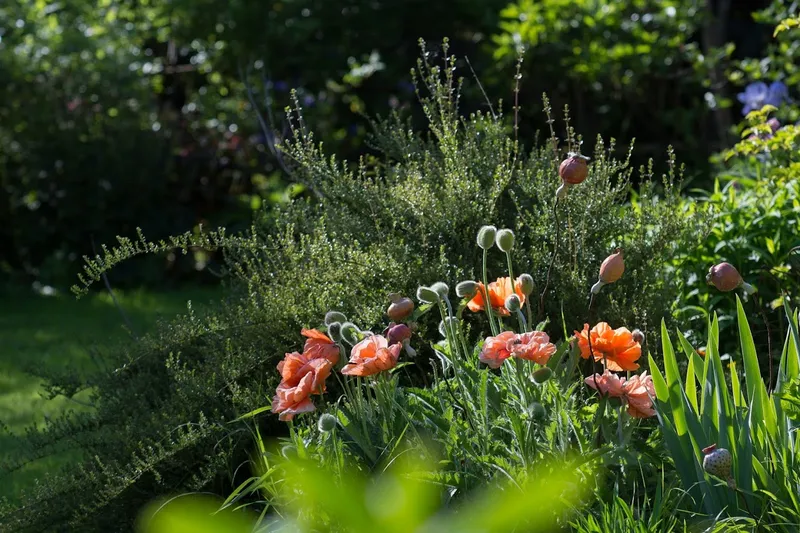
[{"x": 405, "y": 216}]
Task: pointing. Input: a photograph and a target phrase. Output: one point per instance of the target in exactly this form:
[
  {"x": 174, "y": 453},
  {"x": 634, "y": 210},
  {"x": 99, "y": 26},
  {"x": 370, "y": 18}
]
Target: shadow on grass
[{"x": 42, "y": 335}]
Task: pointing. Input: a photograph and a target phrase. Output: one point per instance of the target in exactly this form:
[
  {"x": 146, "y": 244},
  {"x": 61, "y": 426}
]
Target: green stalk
[{"x": 487, "y": 304}]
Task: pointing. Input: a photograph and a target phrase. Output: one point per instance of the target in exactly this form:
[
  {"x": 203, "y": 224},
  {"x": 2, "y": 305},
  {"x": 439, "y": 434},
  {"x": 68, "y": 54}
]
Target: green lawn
[{"x": 56, "y": 333}]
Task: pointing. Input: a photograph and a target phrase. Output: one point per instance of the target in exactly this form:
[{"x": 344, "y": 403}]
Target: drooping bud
[
  {"x": 573, "y": 170},
  {"x": 400, "y": 308},
  {"x": 486, "y": 237},
  {"x": 717, "y": 462},
  {"x": 398, "y": 333},
  {"x": 537, "y": 411},
  {"x": 350, "y": 333},
  {"x": 638, "y": 336},
  {"x": 505, "y": 240},
  {"x": 610, "y": 270},
  {"x": 441, "y": 289},
  {"x": 726, "y": 278},
  {"x": 542, "y": 375},
  {"x": 513, "y": 303},
  {"x": 526, "y": 284},
  {"x": 326, "y": 423},
  {"x": 335, "y": 331},
  {"x": 427, "y": 295},
  {"x": 466, "y": 289},
  {"x": 334, "y": 316},
  {"x": 447, "y": 324}
]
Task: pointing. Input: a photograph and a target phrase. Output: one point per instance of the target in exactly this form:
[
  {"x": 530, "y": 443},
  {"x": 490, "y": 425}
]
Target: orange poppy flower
[
  {"x": 498, "y": 292},
  {"x": 302, "y": 378},
  {"x": 639, "y": 393},
  {"x": 497, "y": 349},
  {"x": 615, "y": 345},
  {"x": 607, "y": 384},
  {"x": 534, "y": 346},
  {"x": 319, "y": 345},
  {"x": 371, "y": 356}
]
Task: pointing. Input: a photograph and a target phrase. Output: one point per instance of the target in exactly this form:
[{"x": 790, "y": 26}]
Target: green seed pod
[
  {"x": 466, "y": 289},
  {"x": 486, "y": 237},
  {"x": 505, "y": 240},
  {"x": 326, "y": 423},
  {"x": 427, "y": 295},
  {"x": 334, "y": 316},
  {"x": 542, "y": 375}
]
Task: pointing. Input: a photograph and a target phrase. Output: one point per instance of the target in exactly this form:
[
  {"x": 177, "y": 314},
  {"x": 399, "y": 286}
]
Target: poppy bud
[
  {"x": 638, "y": 336},
  {"x": 726, "y": 278},
  {"x": 400, "y": 308},
  {"x": 505, "y": 240},
  {"x": 513, "y": 303},
  {"x": 350, "y": 333},
  {"x": 573, "y": 170},
  {"x": 486, "y": 237},
  {"x": 398, "y": 333},
  {"x": 466, "y": 289},
  {"x": 441, "y": 289},
  {"x": 542, "y": 375},
  {"x": 334, "y": 316},
  {"x": 427, "y": 295},
  {"x": 525, "y": 284},
  {"x": 610, "y": 270},
  {"x": 335, "y": 331},
  {"x": 446, "y": 324},
  {"x": 326, "y": 423},
  {"x": 537, "y": 411}
]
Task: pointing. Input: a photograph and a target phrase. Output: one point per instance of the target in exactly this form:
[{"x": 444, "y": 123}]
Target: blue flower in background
[{"x": 758, "y": 94}]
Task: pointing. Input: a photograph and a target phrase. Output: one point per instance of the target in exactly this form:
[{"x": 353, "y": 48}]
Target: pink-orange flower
[
  {"x": 318, "y": 345},
  {"x": 607, "y": 384},
  {"x": 616, "y": 346},
  {"x": 301, "y": 378},
  {"x": 497, "y": 349},
  {"x": 639, "y": 393},
  {"x": 371, "y": 356},
  {"x": 498, "y": 292},
  {"x": 534, "y": 346}
]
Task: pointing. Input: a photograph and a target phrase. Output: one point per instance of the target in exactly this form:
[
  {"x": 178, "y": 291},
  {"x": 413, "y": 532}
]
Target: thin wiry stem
[{"x": 552, "y": 260}]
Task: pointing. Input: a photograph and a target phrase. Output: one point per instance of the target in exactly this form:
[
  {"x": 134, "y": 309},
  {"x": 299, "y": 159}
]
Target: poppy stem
[
  {"x": 552, "y": 260},
  {"x": 487, "y": 303}
]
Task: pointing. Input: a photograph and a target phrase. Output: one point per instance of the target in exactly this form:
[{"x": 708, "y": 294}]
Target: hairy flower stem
[
  {"x": 757, "y": 303},
  {"x": 523, "y": 325},
  {"x": 589, "y": 339},
  {"x": 511, "y": 272},
  {"x": 487, "y": 303},
  {"x": 552, "y": 260}
]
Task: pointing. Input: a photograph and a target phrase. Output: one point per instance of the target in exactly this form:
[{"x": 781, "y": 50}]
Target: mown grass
[{"x": 47, "y": 334}]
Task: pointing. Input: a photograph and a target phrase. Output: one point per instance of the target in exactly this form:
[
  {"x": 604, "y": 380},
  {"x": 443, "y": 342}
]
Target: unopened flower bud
[
  {"x": 486, "y": 237},
  {"x": 400, "y": 308},
  {"x": 398, "y": 333},
  {"x": 724, "y": 277},
  {"x": 537, "y": 411},
  {"x": 573, "y": 170},
  {"x": 427, "y": 295},
  {"x": 525, "y": 284},
  {"x": 447, "y": 324},
  {"x": 334, "y": 316},
  {"x": 542, "y": 375},
  {"x": 466, "y": 289},
  {"x": 441, "y": 289},
  {"x": 612, "y": 268},
  {"x": 350, "y": 333},
  {"x": 505, "y": 240},
  {"x": 717, "y": 462},
  {"x": 513, "y": 303},
  {"x": 335, "y": 331},
  {"x": 638, "y": 336},
  {"x": 326, "y": 423}
]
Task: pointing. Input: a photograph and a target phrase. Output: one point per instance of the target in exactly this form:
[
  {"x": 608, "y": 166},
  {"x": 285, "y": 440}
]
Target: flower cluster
[
  {"x": 304, "y": 374},
  {"x": 637, "y": 392},
  {"x": 758, "y": 94},
  {"x": 615, "y": 347},
  {"x": 533, "y": 346}
]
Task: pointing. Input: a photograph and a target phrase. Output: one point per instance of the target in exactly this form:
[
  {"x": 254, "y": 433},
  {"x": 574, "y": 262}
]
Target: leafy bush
[{"x": 405, "y": 216}]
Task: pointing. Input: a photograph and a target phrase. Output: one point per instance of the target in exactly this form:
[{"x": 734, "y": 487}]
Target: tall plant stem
[{"x": 552, "y": 261}]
